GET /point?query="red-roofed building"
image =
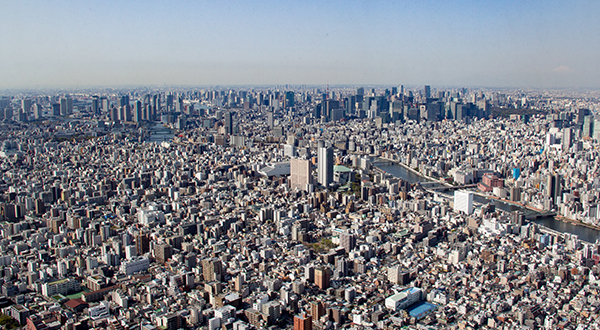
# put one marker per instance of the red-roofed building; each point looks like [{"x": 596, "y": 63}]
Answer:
[{"x": 76, "y": 305}]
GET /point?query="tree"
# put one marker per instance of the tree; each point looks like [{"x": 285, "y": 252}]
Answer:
[{"x": 8, "y": 322}]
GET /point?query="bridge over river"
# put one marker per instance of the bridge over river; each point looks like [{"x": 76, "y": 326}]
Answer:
[{"x": 543, "y": 218}]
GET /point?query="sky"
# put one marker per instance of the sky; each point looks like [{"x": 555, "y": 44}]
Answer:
[{"x": 522, "y": 44}]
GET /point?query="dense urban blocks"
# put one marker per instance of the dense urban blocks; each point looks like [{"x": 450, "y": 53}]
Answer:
[{"x": 299, "y": 208}]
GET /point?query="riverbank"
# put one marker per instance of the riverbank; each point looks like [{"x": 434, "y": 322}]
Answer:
[
  {"x": 541, "y": 213},
  {"x": 417, "y": 173},
  {"x": 529, "y": 207}
]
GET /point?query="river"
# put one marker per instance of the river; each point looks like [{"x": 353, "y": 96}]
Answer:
[
  {"x": 159, "y": 133},
  {"x": 584, "y": 233}
]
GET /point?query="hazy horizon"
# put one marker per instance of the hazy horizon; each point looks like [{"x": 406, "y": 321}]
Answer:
[{"x": 513, "y": 44}]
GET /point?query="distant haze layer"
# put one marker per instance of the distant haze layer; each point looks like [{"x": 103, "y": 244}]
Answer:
[{"x": 475, "y": 43}]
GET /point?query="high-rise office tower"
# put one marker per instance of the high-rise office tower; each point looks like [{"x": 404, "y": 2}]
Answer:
[
  {"x": 427, "y": 91},
  {"x": 69, "y": 105},
  {"x": 37, "y": 111},
  {"x": 553, "y": 187},
  {"x": 300, "y": 176},
  {"x": 26, "y": 105},
  {"x": 170, "y": 102},
  {"x": 367, "y": 101},
  {"x": 567, "y": 140},
  {"x": 124, "y": 100},
  {"x": 127, "y": 113},
  {"x": 64, "y": 106},
  {"x": 270, "y": 119},
  {"x": 179, "y": 105},
  {"x": 328, "y": 107},
  {"x": 588, "y": 126},
  {"x": 95, "y": 105},
  {"x": 138, "y": 112},
  {"x": 596, "y": 130},
  {"x": 360, "y": 92},
  {"x": 155, "y": 104},
  {"x": 463, "y": 201},
  {"x": 350, "y": 104},
  {"x": 228, "y": 123},
  {"x": 142, "y": 243},
  {"x": 114, "y": 114},
  {"x": 105, "y": 103},
  {"x": 325, "y": 164},
  {"x": 56, "y": 109},
  {"x": 322, "y": 278},
  {"x": 289, "y": 99}
]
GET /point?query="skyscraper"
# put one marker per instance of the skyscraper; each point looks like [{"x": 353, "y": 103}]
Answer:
[
  {"x": 289, "y": 99},
  {"x": 69, "y": 105},
  {"x": 95, "y": 105},
  {"x": 56, "y": 109},
  {"x": 588, "y": 126},
  {"x": 553, "y": 187},
  {"x": 463, "y": 201},
  {"x": 328, "y": 107},
  {"x": 142, "y": 243},
  {"x": 351, "y": 104},
  {"x": 270, "y": 119},
  {"x": 567, "y": 140},
  {"x": 138, "y": 112},
  {"x": 37, "y": 111},
  {"x": 325, "y": 162},
  {"x": 300, "y": 176},
  {"x": 228, "y": 123},
  {"x": 105, "y": 103},
  {"x": 124, "y": 100},
  {"x": 322, "y": 278},
  {"x": 427, "y": 91},
  {"x": 596, "y": 133},
  {"x": 26, "y": 105},
  {"x": 66, "y": 105}
]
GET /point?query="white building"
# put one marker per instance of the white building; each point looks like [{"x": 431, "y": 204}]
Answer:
[
  {"x": 214, "y": 323},
  {"x": 463, "y": 201},
  {"x": 100, "y": 311},
  {"x": 148, "y": 217},
  {"x": 404, "y": 299},
  {"x": 279, "y": 169},
  {"x": 289, "y": 150},
  {"x": 394, "y": 273},
  {"x": 135, "y": 265},
  {"x": 130, "y": 251},
  {"x": 63, "y": 287},
  {"x": 325, "y": 168},
  {"x": 225, "y": 313}
]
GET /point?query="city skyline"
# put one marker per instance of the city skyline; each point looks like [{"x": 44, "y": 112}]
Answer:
[{"x": 535, "y": 44}]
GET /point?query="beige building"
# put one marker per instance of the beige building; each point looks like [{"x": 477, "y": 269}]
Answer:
[{"x": 300, "y": 176}]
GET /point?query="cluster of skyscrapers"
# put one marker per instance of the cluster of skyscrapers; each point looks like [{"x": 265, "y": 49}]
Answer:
[{"x": 301, "y": 208}]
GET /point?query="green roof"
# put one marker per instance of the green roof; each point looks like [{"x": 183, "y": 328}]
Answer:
[{"x": 341, "y": 168}]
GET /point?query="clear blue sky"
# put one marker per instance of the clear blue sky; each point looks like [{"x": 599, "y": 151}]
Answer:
[{"x": 458, "y": 43}]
